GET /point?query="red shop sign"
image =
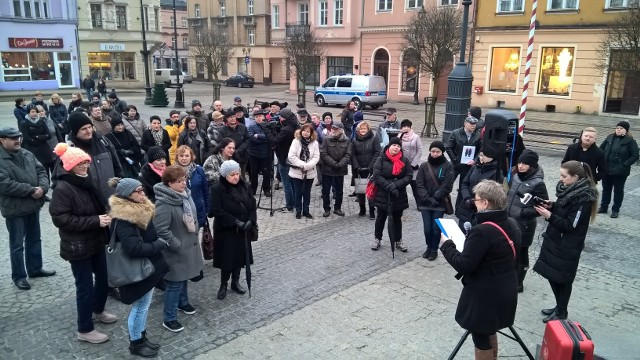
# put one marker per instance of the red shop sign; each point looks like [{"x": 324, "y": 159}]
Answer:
[{"x": 35, "y": 43}]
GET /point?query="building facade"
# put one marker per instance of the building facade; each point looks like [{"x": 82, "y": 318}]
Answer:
[
  {"x": 564, "y": 75},
  {"x": 110, "y": 36},
  {"x": 164, "y": 55},
  {"x": 39, "y": 49}
]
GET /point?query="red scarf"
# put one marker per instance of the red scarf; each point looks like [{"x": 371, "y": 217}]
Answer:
[{"x": 398, "y": 164}]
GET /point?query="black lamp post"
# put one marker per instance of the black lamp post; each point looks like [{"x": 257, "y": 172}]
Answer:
[
  {"x": 145, "y": 60},
  {"x": 460, "y": 83},
  {"x": 179, "y": 91}
]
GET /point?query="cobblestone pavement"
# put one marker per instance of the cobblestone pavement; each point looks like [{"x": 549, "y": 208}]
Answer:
[{"x": 320, "y": 292}]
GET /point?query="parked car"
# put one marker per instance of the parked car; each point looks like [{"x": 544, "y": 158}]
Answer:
[
  {"x": 363, "y": 89},
  {"x": 187, "y": 77},
  {"x": 168, "y": 77},
  {"x": 240, "y": 80}
]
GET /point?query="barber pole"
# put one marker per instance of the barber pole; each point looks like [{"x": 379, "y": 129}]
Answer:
[{"x": 527, "y": 71}]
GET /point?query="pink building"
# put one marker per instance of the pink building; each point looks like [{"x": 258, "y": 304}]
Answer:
[{"x": 165, "y": 56}]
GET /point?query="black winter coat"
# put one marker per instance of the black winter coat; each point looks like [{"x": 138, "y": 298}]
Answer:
[
  {"x": 75, "y": 206},
  {"x": 240, "y": 136},
  {"x": 383, "y": 176},
  {"x": 533, "y": 183},
  {"x": 58, "y": 113},
  {"x": 148, "y": 141},
  {"x": 427, "y": 189},
  {"x": 456, "y": 143},
  {"x": 283, "y": 139},
  {"x": 620, "y": 153},
  {"x": 73, "y": 105},
  {"x": 126, "y": 146},
  {"x": 149, "y": 178},
  {"x": 35, "y": 138},
  {"x": 105, "y": 163},
  {"x": 335, "y": 155},
  {"x": 488, "y": 264},
  {"x": 478, "y": 172},
  {"x": 365, "y": 150},
  {"x": 231, "y": 203},
  {"x": 594, "y": 157}
]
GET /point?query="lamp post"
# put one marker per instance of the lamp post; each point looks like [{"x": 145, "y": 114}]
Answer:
[
  {"x": 459, "y": 85},
  {"x": 145, "y": 59},
  {"x": 246, "y": 53},
  {"x": 179, "y": 91},
  {"x": 161, "y": 50}
]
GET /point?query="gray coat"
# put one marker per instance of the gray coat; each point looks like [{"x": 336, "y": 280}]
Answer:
[
  {"x": 183, "y": 255},
  {"x": 525, "y": 215},
  {"x": 20, "y": 174}
]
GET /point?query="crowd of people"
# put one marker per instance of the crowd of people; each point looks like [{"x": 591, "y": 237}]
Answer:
[{"x": 152, "y": 188}]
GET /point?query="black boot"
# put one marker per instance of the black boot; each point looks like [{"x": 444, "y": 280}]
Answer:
[
  {"x": 222, "y": 292},
  {"x": 148, "y": 343},
  {"x": 522, "y": 272},
  {"x": 235, "y": 283},
  {"x": 372, "y": 213},
  {"x": 139, "y": 348},
  {"x": 363, "y": 210}
]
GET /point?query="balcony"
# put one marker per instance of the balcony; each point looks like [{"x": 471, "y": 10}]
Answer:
[
  {"x": 292, "y": 29},
  {"x": 195, "y": 22},
  {"x": 249, "y": 21}
]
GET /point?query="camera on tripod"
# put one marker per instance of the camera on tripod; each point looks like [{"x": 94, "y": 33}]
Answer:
[{"x": 273, "y": 127}]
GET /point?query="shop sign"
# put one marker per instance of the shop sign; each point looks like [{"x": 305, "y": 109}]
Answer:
[
  {"x": 111, "y": 47},
  {"x": 31, "y": 43}
]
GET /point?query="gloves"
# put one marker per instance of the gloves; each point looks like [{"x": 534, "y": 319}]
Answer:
[
  {"x": 127, "y": 152},
  {"x": 433, "y": 202},
  {"x": 390, "y": 187},
  {"x": 162, "y": 243},
  {"x": 244, "y": 226},
  {"x": 470, "y": 204},
  {"x": 395, "y": 193}
]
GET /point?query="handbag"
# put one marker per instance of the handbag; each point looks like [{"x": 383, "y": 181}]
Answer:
[
  {"x": 361, "y": 184},
  {"x": 448, "y": 206},
  {"x": 371, "y": 190},
  {"x": 123, "y": 269},
  {"x": 207, "y": 241}
]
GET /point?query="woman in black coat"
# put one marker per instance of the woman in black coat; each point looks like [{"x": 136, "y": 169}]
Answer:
[
  {"x": 126, "y": 147},
  {"x": 151, "y": 172},
  {"x": 36, "y": 136},
  {"x": 487, "y": 265},
  {"x": 364, "y": 153},
  {"x": 433, "y": 184},
  {"x": 132, "y": 214},
  {"x": 234, "y": 211},
  {"x": 391, "y": 174},
  {"x": 194, "y": 138},
  {"x": 155, "y": 135},
  {"x": 568, "y": 218}
]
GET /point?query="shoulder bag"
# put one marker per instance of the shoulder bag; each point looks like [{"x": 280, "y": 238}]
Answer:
[
  {"x": 207, "y": 241},
  {"x": 123, "y": 269},
  {"x": 513, "y": 248},
  {"x": 448, "y": 206}
]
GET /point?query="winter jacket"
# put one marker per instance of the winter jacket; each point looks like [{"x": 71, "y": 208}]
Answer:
[
  {"x": 488, "y": 265},
  {"x": 199, "y": 187},
  {"x": 20, "y": 174},
  {"x": 229, "y": 204},
  {"x": 149, "y": 179},
  {"x": 427, "y": 189},
  {"x": 383, "y": 176},
  {"x": 593, "y": 156},
  {"x": 456, "y": 143},
  {"x": 148, "y": 141},
  {"x": 102, "y": 87},
  {"x": 137, "y": 235},
  {"x": 346, "y": 118},
  {"x": 119, "y": 106},
  {"x": 58, "y": 113},
  {"x": 126, "y": 147},
  {"x": 174, "y": 132},
  {"x": 412, "y": 149},
  {"x": 364, "y": 152},
  {"x": 213, "y": 133},
  {"x": 135, "y": 125},
  {"x": 212, "y": 168},
  {"x": 240, "y": 136},
  {"x": 335, "y": 155},
  {"x": 110, "y": 113},
  {"x": 201, "y": 118},
  {"x": 303, "y": 169},
  {"x": 531, "y": 182},
  {"x": 283, "y": 139},
  {"x": 184, "y": 255},
  {"x": 620, "y": 153},
  {"x": 20, "y": 112},
  {"x": 259, "y": 146},
  {"x": 88, "y": 84},
  {"x": 102, "y": 125},
  {"x": 75, "y": 208},
  {"x": 35, "y": 138},
  {"x": 73, "y": 105},
  {"x": 198, "y": 142},
  {"x": 478, "y": 172}
]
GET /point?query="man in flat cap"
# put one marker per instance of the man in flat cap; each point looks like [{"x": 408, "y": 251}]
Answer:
[{"x": 23, "y": 185}]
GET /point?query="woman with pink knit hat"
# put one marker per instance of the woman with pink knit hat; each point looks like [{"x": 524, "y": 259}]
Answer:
[{"x": 79, "y": 211}]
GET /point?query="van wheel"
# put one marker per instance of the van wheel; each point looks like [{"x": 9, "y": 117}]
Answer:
[
  {"x": 320, "y": 101},
  {"x": 375, "y": 106},
  {"x": 358, "y": 103}
]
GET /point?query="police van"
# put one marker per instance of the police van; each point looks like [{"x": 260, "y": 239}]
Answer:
[{"x": 363, "y": 89}]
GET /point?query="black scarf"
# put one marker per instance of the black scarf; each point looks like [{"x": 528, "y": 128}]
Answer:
[
  {"x": 304, "y": 151},
  {"x": 437, "y": 161},
  {"x": 87, "y": 184},
  {"x": 577, "y": 192}
]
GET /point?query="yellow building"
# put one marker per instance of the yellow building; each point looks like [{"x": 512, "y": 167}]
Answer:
[{"x": 564, "y": 77}]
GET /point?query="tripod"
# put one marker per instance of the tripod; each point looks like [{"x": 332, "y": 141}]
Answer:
[
  {"x": 515, "y": 337},
  {"x": 271, "y": 180}
]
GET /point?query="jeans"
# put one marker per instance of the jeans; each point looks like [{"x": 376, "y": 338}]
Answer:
[
  {"x": 615, "y": 183},
  {"x": 24, "y": 234},
  {"x": 175, "y": 295},
  {"x": 138, "y": 316},
  {"x": 335, "y": 182},
  {"x": 257, "y": 166},
  {"x": 431, "y": 229},
  {"x": 90, "y": 296},
  {"x": 381, "y": 217},
  {"x": 286, "y": 185},
  {"x": 89, "y": 92},
  {"x": 302, "y": 194}
]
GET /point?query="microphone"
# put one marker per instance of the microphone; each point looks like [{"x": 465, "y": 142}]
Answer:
[
  {"x": 467, "y": 227},
  {"x": 524, "y": 198}
]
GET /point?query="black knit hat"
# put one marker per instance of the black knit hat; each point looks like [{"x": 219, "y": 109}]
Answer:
[
  {"x": 437, "y": 144},
  {"x": 115, "y": 122},
  {"x": 329, "y": 114},
  {"x": 395, "y": 140},
  {"x": 624, "y": 124},
  {"x": 528, "y": 157},
  {"x": 155, "y": 153},
  {"x": 77, "y": 120}
]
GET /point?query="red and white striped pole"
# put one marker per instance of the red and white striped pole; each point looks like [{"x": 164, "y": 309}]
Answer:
[{"x": 527, "y": 71}]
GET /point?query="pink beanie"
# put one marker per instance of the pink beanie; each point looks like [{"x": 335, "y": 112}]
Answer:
[{"x": 70, "y": 156}]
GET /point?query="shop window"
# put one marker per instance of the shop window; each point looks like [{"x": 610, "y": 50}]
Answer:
[
  {"x": 339, "y": 65},
  {"x": 556, "y": 71},
  {"x": 112, "y": 66},
  {"x": 96, "y": 16},
  {"x": 410, "y": 74},
  {"x": 505, "y": 66},
  {"x": 28, "y": 66},
  {"x": 121, "y": 17}
]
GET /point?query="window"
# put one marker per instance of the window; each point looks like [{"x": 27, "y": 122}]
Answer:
[
  {"x": 96, "y": 15},
  {"x": 448, "y": 2},
  {"x": 510, "y": 5},
  {"x": 196, "y": 10},
  {"x": 36, "y": 8},
  {"x": 505, "y": 67},
  {"x": 17, "y": 8},
  {"x": 323, "y": 12},
  {"x": 415, "y": 4},
  {"x": 112, "y": 66},
  {"x": 385, "y": 5},
  {"x": 185, "y": 42},
  {"x": 303, "y": 13},
  {"x": 344, "y": 82},
  {"x": 28, "y": 66},
  {"x": 184, "y": 22},
  {"x": 146, "y": 18},
  {"x": 250, "y": 7},
  {"x": 45, "y": 9},
  {"x": 339, "y": 65},
  {"x": 223, "y": 8},
  {"x": 275, "y": 16},
  {"x": 556, "y": 71},
  {"x": 156, "y": 19},
  {"x": 171, "y": 21},
  {"x": 331, "y": 82},
  {"x": 199, "y": 36},
  {"x": 121, "y": 17},
  {"x": 621, "y": 3},
  {"x": 621, "y": 95},
  {"x": 27, "y": 9},
  {"x": 251, "y": 38},
  {"x": 410, "y": 74},
  {"x": 338, "y": 11},
  {"x": 562, "y": 4}
]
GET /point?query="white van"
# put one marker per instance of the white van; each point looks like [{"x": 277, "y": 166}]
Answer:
[
  {"x": 363, "y": 89},
  {"x": 168, "y": 77}
]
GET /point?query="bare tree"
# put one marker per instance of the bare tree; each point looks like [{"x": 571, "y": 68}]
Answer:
[
  {"x": 434, "y": 33},
  {"x": 305, "y": 53},
  {"x": 214, "y": 47},
  {"x": 619, "y": 51}
]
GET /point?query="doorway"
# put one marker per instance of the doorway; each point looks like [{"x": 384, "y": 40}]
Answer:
[
  {"x": 65, "y": 70},
  {"x": 381, "y": 64}
]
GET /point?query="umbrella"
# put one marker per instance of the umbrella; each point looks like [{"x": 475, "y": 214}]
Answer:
[
  {"x": 247, "y": 260},
  {"x": 390, "y": 225}
]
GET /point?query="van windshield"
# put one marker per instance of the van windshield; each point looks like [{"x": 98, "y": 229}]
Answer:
[{"x": 331, "y": 82}]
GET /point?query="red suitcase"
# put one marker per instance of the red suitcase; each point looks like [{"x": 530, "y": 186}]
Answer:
[{"x": 566, "y": 340}]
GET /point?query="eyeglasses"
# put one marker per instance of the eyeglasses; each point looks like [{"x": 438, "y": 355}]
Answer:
[
  {"x": 476, "y": 200},
  {"x": 84, "y": 164},
  {"x": 139, "y": 191}
]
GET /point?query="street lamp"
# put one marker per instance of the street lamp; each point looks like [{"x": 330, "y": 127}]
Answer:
[
  {"x": 161, "y": 50},
  {"x": 179, "y": 91},
  {"x": 145, "y": 60},
  {"x": 459, "y": 85},
  {"x": 246, "y": 53}
]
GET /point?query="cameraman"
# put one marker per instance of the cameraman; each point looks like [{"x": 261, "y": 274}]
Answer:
[{"x": 282, "y": 140}]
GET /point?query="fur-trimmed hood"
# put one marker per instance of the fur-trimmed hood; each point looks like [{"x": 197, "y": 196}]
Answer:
[{"x": 139, "y": 214}]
